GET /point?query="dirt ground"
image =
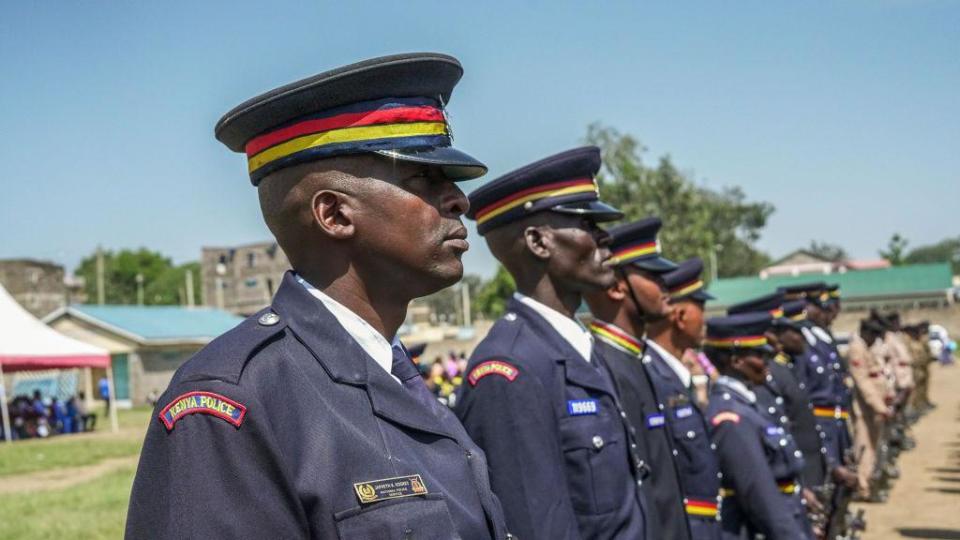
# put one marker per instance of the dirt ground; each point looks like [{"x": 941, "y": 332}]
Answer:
[{"x": 925, "y": 501}]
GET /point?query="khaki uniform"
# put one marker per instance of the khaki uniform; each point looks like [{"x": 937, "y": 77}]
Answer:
[
  {"x": 920, "y": 350},
  {"x": 867, "y": 370},
  {"x": 901, "y": 360}
]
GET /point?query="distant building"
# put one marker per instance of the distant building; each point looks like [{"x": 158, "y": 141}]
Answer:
[
  {"x": 802, "y": 262},
  {"x": 146, "y": 343},
  {"x": 246, "y": 276},
  {"x": 38, "y": 286},
  {"x": 909, "y": 286}
]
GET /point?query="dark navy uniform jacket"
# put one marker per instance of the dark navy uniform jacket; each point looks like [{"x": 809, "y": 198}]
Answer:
[
  {"x": 820, "y": 374},
  {"x": 654, "y": 437},
  {"x": 557, "y": 442},
  {"x": 297, "y": 431},
  {"x": 761, "y": 467},
  {"x": 782, "y": 398},
  {"x": 697, "y": 460}
]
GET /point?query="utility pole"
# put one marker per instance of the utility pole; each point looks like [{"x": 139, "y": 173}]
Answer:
[
  {"x": 465, "y": 296},
  {"x": 189, "y": 277},
  {"x": 714, "y": 271},
  {"x": 139, "y": 289},
  {"x": 101, "y": 293},
  {"x": 221, "y": 271}
]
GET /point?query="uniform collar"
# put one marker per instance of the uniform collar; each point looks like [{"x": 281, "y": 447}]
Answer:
[
  {"x": 371, "y": 341},
  {"x": 671, "y": 361},
  {"x": 738, "y": 388},
  {"x": 616, "y": 337},
  {"x": 569, "y": 328}
]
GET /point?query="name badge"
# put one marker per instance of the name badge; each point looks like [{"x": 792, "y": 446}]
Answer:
[
  {"x": 771, "y": 430},
  {"x": 389, "y": 488},
  {"x": 655, "y": 420},
  {"x": 580, "y": 407},
  {"x": 684, "y": 412}
]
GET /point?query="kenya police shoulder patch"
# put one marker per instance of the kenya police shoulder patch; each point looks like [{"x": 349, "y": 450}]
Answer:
[
  {"x": 725, "y": 416},
  {"x": 492, "y": 367},
  {"x": 202, "y": 402}
]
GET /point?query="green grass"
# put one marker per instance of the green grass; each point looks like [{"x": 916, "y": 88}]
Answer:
[
  {"x": 76, "y": 450},
  {"x": 93, "y": 510}
]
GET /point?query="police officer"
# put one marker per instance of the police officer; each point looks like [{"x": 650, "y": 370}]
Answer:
[
  {"x": 871, "y": 408},
  {"x": 667, "y": 341},
  {"x": 621, "y": 312},
  {"x": 537, "y": 398},
  {"x": 309, "y": 420},
  {"x": 820, "y": 373},
  {"x": 760, "y": 461}
]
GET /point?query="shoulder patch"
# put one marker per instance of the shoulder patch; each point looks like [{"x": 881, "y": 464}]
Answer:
[
  {"x": 725, "y": 416},
  {"x": 492, "y": 367},
  {"x": 202, "y": 402}
]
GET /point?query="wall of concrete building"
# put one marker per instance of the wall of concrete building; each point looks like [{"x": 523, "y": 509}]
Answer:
[
  {"x": 38, "y": 286},
  {"x": 250, "y": 275}
]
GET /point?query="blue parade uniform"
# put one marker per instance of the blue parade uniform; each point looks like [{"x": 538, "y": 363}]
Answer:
[
  {"x": 761, "y": 466},
  {"x": 285, "y": 427},
  {"x": 562, "y": 456},
  {"x": 622, "y": 355}
]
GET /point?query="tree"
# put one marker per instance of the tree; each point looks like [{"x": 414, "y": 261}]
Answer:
[
  {"x": 163, "y": 283},
  {"x": 696, "y": 220},
  {"x": 491, "y": 298},
  {"x": 828, "y": 251},
  {"x": 947, "y": 250},
  {"x": 895, "y": 249}
]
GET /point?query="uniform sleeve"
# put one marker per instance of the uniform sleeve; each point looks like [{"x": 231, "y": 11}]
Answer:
[
  {"x": 215, "y": 473},
  {"x": 860, "y": 371},
  {"x": 512, "y": 421},
  {"x": 743, "y": 463}
]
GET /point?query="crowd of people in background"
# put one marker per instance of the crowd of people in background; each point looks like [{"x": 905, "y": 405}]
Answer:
[
  {"x": 39, "y": 417},
  {"x": 442, "y": 374}
]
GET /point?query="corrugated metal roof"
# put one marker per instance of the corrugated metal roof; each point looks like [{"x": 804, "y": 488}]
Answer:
[
  {"x": 161, "y": 323},
  {"x": 894, "y": 281}
]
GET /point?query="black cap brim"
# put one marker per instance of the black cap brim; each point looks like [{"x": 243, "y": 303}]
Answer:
[
  {"x": 597, "y": 210},
  {"x": 701, "y": 295},
  {"x": 457, "y": 165},
  {"x": 657, "y": 265}
]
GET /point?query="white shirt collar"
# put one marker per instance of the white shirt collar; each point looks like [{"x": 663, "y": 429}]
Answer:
[
  {"x": 569, "y": 328},
  {"x": 676, "y": 365},
  {"x": 371, "y": 341},
  {"x": 738, "y": 387}
]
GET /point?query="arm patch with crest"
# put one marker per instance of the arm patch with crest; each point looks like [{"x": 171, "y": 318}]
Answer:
[
  {"x": 202, "y": 402},
  {"x": 725, "y": 416},
  {"x": 492, "y": 367}
]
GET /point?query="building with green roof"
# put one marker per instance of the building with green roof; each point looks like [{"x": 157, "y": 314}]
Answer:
[{"x": 896, "y": 287}]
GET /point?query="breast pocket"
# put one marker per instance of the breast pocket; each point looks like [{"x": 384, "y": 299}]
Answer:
[
  {"x": 596, "y": 463},
  {"x": 423, "y": 517},
  {"x": 776, "y": 445},
  {"x": 691, "y": 442}
]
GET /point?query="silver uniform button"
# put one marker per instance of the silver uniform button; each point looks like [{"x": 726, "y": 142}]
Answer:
[
  {"x": 771, "y": 410},
  {"x": 269, "y": 319},
  {"x": 691, "y": 435},
  {"x": 511, "y": 316},
  {"x": 783, "y": 442},
  {"x": 597, "y": 442}
]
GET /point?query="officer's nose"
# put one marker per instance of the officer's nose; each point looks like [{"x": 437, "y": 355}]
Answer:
[{"x": 454, "y": 201}]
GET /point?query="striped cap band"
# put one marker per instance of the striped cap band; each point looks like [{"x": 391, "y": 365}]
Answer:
[
  {"x": 629, "y": 252},
  {"x": 834, "y": 294},
  {"x": 776, "y": 313},
  {"x": 385, "y": 124},
  {"x": 527, "y": 197},
  {"x": 686, "y": 289},
  {"x": 802, "y": 316},
  {"x": 743, "y": 342},
  {"x": 616, "y": 337}
]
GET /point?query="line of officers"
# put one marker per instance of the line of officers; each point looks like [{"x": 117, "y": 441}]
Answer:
[{"x": 651, "y": 423}]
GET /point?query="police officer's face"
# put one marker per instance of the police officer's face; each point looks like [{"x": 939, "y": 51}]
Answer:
[
  {"x": 578, "y": 249},
  {"x": 412, "y": 226},
  {"x": 792, "y": 341},
  {"x": 649, "y": 292},
  {"x": 752, "y": 366}
]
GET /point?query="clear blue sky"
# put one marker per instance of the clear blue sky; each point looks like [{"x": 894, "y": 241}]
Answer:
[{"x": 843, "y": 114}]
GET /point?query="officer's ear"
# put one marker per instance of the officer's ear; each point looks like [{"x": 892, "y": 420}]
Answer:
[
  {"x": 538, "y": 240},
  {"x": 619, "y": 291},
  {"x": 333, "y": 213}
]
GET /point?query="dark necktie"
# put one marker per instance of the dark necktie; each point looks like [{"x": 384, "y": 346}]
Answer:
[{"x": 404, "y": 370}]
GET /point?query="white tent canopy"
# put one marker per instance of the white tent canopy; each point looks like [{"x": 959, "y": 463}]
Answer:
[{"x": 28, "y": 344}]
